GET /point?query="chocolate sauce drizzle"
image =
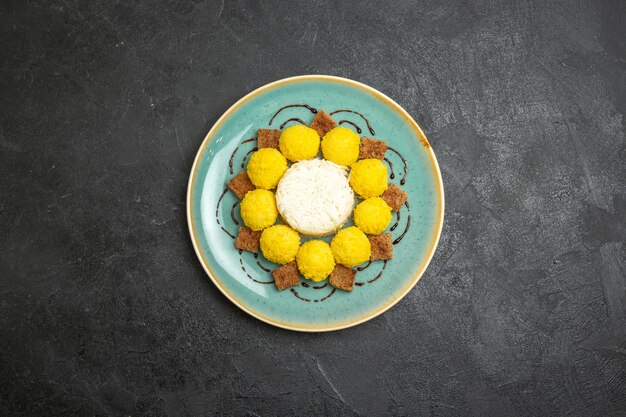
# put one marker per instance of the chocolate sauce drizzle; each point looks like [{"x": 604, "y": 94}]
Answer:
[
  {"x": 227, "y": 232},
  {"x": 308, "y": 300},
  {"x": 243, "y": 268},
  {"x": 408, "y": 224},
  {"x": 380, "y": 274},
  {"x": 358, "y": 129},
  {"x": 315, "y": 287},
  {"x": 395, "y": 225},
  {"x": 367, "y": 122},
  {"x": 232, "y": 213},
  {"x": 217, "y": 213},
  {"x": 293, "y": 119},
  {"x": 406, "y": 165},
  {"x": 232, "y": 156},
  {"x": 294, "y": 292},
  {"x": 306, "y": 106},
  {"x": 363, "y": 268},
  {"x": 217, "y": 208},
  {"x": 243, "y": 163},
  {"x": 328, "y": 296},
  {"x": 392, "y": 176},
  {"x": 262, "y": 267}
]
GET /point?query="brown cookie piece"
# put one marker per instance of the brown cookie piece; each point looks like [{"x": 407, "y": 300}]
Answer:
[
  {"x": 342, "y": 277},
  {"x": 372, "y": 148},
  {"x": 322, "y": 123},
  {"x": 286, "y": 276},
  {"x": 241, "y": 184},
  {"x": 394, "y": 197},
  {"x": 268, "y": 138},
  {"x": 382, "y": 247},
  {"x": 248, "y": 239}
]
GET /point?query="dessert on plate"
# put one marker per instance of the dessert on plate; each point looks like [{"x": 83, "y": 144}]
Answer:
[{"x": 298, "y": 193}]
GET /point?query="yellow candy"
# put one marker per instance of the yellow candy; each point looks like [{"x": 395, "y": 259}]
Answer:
[
  {"x": 372, "y": 216},
  {"x": 341, "y": 146},
  {"x": 368, "y": 177},
  {"x": 351, "y": 247},
  {"x": 266, "y": 167},
  {"x": 299, "y": 142},
  {"x": 315, "y": 260},
  {"x": 279, "y": 244},
  {"x": 258, "y": 209}
]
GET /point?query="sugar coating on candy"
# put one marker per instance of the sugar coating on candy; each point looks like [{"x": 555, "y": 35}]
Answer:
[{"x": 368, "y": 177}]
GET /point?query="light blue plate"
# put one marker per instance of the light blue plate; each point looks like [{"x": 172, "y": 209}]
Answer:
[{"x": 213, "y": 212}]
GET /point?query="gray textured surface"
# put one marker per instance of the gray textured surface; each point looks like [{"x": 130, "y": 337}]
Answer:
[{"x": 104, "y": 309}]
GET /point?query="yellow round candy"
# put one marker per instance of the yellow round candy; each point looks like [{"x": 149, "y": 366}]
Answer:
[
  {"x": 372, "y": 216},
  {"x": 299, "y": 142},
  {"x": 258, "y": 209},
  {"x": 341, "y": 146},
  {"x": 351, "y": 247},
  {"x": 266, "y": 167},
  {"x": 279, "y": 244},
  {"x": 368, "y": 177},
  {"x": 315, "y": 260}
]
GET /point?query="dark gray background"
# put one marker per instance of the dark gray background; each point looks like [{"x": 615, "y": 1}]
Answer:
[{"x": 105, "y": 310}]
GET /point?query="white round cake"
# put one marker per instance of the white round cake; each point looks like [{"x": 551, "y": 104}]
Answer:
[{"x": 314, "y": 197}]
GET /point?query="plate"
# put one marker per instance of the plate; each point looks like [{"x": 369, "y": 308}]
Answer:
[{"x": 213, "y": 211}]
